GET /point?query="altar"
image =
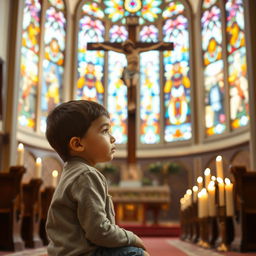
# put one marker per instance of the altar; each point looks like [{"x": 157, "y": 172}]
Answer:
[{"x": 133, "y": 203}]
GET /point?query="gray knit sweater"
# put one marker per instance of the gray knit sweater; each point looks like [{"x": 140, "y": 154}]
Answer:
[{"x": 81, "y": 214}]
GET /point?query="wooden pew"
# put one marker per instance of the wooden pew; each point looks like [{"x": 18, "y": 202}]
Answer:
[
  {"x": 11, "y": 209},
  {"x": 245, "y": 209},
  {"x": 46, "y": 197},
  {"x": 32, "y": 213}
]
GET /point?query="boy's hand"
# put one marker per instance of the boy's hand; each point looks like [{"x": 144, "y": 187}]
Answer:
[{"x": 139, "y": 243}]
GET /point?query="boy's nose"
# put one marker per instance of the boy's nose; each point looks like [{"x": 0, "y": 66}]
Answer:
[{"x": 112, "y": 139}]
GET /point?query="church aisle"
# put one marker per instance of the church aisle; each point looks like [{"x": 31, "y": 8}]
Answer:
[{"x": 160, "y": 246}]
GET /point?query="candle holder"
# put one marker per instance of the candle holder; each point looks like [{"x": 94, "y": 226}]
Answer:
[
  {"x": 213, "y": 230},
  {"x": 222, "y": 241},
  {"x": 195, "y": 223},
  {"x": 203, "y": 233}
]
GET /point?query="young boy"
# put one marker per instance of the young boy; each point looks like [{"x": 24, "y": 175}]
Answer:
[{"x": 81, "y": 215}]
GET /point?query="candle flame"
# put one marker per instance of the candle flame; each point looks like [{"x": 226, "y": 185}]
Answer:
[
  {"x": 195, "y": 188},
  {"x": 227, "y": 181},
  {"x": 213, "y": 178},
  {"x": 20, "y": 147},
  {"x": 219, "y": 158},
  {"x": 207, "y": 171},
  {"x": 55, "y": 173},
  {"x": 199, "y": 179},
  {"x": 220, "y": 180},
  {"x": 189, "y": 192},
  {"x": 38, "y": 160}
]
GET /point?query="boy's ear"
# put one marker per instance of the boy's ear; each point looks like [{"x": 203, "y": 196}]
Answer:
[{"x": 75, "y": 144}]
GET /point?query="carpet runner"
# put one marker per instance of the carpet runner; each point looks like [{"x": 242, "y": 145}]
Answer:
[{"x": 160, "y": 246}]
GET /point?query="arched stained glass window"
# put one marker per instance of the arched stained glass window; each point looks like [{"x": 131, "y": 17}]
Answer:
[
  {"x": 215, "y": 117},
  {"x": 215, "y": 82},
  {"x": 158, "y": 21},
  {"x": 237, "y": 70},
  {"x": 177, "y": 96},
  {"x": 42, "y": 61}
]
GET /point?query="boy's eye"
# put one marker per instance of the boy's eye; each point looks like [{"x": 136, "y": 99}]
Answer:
[{"x": 105, "y": 131}]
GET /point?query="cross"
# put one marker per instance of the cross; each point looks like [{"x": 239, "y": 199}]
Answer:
[{"x": 131, "y": 78}]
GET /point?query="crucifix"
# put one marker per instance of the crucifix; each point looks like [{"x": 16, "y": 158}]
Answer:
[{"x": 130, "y": 76}]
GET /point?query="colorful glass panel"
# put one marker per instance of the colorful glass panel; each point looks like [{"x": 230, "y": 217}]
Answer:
[
  {"x": 53, "y": 63},
  {"x": 29, "y": 63},
  {"x": 93, "y": 9},
  {"x": 90, "y": 63},
  {"x": 59, "y": 4},
  {"x": 149, "y": 11},
  {"x": 213, "y": 71},
  {"x": 174, "y": 8},
  {"x": 117, "y": 90},
  {"x": 208, "y": 3},
  {"x": 149, "y": 34},
  {"x": 132, "y": 6},
  {"x": 177, "y": 92},
  {"x": 149, "y": 98},
  {"x": 237, "y": 70}
]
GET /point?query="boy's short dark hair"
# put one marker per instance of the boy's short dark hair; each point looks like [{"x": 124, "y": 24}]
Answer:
[{"x": 71, "y": 119}]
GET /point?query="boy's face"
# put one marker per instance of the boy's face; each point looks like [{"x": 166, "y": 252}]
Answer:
[{"x": 98, "y": 142}]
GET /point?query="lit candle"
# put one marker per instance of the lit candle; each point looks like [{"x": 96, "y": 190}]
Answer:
[
  {"x": 213, "y": 178},
  {"x": 207, "y": 176},
  {"x": 195, "y": 192},
  {"x": 189, "y": 193},
  {"x": 200, "y": 213},
  {"x": 54, "y": 178},
  {"x": 38, "y": 168},
  {"x": 200, "y": 183},
  {"x": 182, "y": 201},
  {"x": 221, "y": 191},
  {"x": 229, "y": 197},
  {"x": 204, "y": 203},
  {"x": 211, "y": 197},
  {"x": 219, "y": 167},
  {"x": 20, "y": 154}
]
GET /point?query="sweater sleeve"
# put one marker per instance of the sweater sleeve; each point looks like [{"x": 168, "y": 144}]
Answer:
[{"x": 89, "y": 192}]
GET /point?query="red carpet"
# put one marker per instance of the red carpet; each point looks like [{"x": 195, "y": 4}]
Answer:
[{"x": 154, "y": 230}]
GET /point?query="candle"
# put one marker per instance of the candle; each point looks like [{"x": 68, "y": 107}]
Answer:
[
  {"x": 54, "y": 178},
  {"x": 200, "y": 183},
  {"x": 213, "y": 178},
  {"x": 200, "y": 213},
  {"x": 229, "y": 197},
  {"x": 221, "y": 191},
  {"x": 204, "y": 203},
  {"x": 189, "y": 193},
  {"x": 207, "y": 176},
  {"x": 219, "y": 167},
  {"x": 195, "y": 192},
  {"x": 20, "y": 154},
  {"x": 182, "y": 202},
  {"x": 211, "y": 197},
  {"x": 38, "y": 168}
]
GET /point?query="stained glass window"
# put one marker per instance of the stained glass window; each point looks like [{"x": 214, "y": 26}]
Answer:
[
  {"x": 215, "y": 117},
  {"x": 29, "y": 63},
  {"x": 45, "y": 65},
  {"x": 232, "y": 88},
  {"x": 177, "y": 93},
  {"x": 237, "y": 70},
  {"x": 106, "y": 21}
]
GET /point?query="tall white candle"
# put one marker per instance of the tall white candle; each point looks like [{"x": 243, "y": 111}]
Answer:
[
  {"x": 20, "y": 154},
  {"x": 219, "y": 167},
  {"x": 200, "y": 183},
  {"x": 221, "y": 191},
  {"x": 207, "y": 176},
  {"x": 229, "y": 197},
  {"x": 211, "y": 197},
  {"x": 54, "y": 178},
  {"x": 204, "y": 203},
  {"x": 38, "y": 168},
  {"x": 195, "y": 192},
  {"x": 199, "y": 205}
]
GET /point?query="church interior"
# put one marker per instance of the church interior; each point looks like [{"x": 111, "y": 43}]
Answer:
[{"x": 184, "y": 174}]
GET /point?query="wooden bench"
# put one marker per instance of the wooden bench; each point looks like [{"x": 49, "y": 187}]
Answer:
[
  {"x": 245, "y": 209},
  {"x": 11, "y": 209},
  {"x": 32, "y": 213}
]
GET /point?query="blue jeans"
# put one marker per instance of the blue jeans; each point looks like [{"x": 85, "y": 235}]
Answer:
[{"x": 119, "y": 251}]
